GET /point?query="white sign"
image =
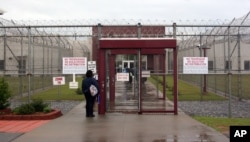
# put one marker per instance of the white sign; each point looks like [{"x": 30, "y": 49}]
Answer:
[
  {"x": 92, "y": 66},
  {"x": 74, "y": 65},
  {"x": 73, "y": 85},
  {"x": 195, "y": 65},
  {"x": 145, "y": 74},
  {"x": 122, "y": 76},
  {"x": 59, "y": 80}
]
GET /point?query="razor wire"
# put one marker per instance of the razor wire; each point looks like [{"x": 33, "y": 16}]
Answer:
[{"x": 43, "y": 43}]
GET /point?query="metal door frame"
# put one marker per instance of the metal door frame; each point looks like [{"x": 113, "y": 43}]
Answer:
[
  {"x": 145, "y": 46},
  {"x": 111, "y": 58}
]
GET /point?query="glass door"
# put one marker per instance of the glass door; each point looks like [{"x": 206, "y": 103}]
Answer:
[{"x": 122, "y": 77}]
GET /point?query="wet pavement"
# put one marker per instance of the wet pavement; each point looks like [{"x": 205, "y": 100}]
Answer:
[
  {"x": 122, "y": 127},
  {"x": 126, "y": 100}
]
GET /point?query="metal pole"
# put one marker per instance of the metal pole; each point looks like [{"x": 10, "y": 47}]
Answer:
[
  {"x": 48, "y": 51},
  {"x": 22, "y": 68},
  {"x": 43, "y": 64},
  {"x": 224, "y": 45},
  {"x": 175, "y": 79},
  {"x": 215, "y": 67},
  {"x": 201, "y": 77},
  {"x": 4, "y": 53},
  {"x": 59, "y": 55},
  {"x": 239, "y": 68},
  {"x": 224, "y": 51},
  {"x": 205, "y": 76},
  {"x": 51, "y": 59},
  {"x": 29, "y": 63},
  {"x": 139, "y": 83},
  {"x": 139, "y": 73},
  {"x": 229, "y": 74},
  {"x": 33, "y": 64},
  {"x": 175, "y": 73}
]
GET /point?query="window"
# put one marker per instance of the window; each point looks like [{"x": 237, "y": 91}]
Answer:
[
  {"x": 210, "y": 65},
  {"x": 246, "y": 65},
  {"x": 1, "y": 64},
  {"x": 21, "y": 64},
  {"x": 227, "y": 65}
]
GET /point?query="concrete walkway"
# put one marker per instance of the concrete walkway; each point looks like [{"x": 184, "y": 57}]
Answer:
[{"x": 120, "y": 127}]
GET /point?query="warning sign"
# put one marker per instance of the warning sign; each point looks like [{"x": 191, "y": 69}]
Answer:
[
  {"x": 59, "y": 80},
  {"x": 122, "y": 76},
  {"x": 92, "y": 66},
  {"x": 74, "y": 65},
  {"x": 73, "y": 85},
  {"x": 195, "y": 65}
]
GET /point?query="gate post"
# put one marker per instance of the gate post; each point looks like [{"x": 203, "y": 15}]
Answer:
[
  {"x": 101, "y": 73},
  {"x": 101, "y": 81},
  {"x": 175, "y": 82},
  {"x": 163, "y": 67},
  {"x": 175, "y": 54}
]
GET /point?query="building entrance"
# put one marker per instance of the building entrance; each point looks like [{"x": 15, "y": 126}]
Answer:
[
  {"x": 122, "y": 93},
  {"x": 124, "y": 72}
]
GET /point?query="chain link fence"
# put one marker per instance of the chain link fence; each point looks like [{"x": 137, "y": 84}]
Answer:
[
  {"x": 31, "y": 51},
  {"x": 227, "y": 50}
]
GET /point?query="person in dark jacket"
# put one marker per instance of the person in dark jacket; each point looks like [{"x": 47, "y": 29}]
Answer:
[{"x": 90, "y": 100}]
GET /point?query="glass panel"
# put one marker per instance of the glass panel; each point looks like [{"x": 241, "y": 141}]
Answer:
[
  {"x": 152, "y": 82},
  {"x": 125, "y": 84},
  {"x": 124, "y": 95}
]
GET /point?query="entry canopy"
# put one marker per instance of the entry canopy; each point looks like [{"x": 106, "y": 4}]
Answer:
[
  {"x": 136, "y": 46},
  {"x": 145, "y": 43}
]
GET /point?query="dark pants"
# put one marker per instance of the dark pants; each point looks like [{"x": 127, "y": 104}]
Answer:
[{"x": 90, "y": 101}]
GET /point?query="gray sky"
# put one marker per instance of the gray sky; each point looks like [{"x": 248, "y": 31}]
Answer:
[{"x": 124, "y": 9}]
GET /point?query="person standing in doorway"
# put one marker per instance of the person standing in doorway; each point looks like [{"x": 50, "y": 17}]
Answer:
[{"x": 90, "y": 99}]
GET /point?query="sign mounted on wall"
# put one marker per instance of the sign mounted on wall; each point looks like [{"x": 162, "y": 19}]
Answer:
[
  {"x": 92, "y": 66},
  {"x": 195, "y": 65}
]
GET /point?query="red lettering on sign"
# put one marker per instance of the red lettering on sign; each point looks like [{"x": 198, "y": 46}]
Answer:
[{"x": 58, "y": 79}]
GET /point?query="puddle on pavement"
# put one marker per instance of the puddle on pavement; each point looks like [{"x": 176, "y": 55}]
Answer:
[{"x": 203, "y": 137}]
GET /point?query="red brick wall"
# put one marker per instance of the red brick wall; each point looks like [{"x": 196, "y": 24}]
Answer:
[{"x": 124, "y": 32}]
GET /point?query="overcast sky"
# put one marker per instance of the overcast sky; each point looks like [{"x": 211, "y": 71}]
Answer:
[{"x": 124, "y": 9}]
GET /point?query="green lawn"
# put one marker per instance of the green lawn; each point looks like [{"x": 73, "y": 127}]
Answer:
[
  {"x": 222, "y": 124},
  {"x": 19, "y": 85},
  {"x": 219, "y": 82},
  {"x": 189, "y": 92},
  {"x": 62, "y": 92},
  {"x": 186, "y": 91},
  {"x": 59, "y": 93}
]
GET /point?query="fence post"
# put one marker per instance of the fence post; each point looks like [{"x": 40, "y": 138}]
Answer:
[
  {"x": 29, "y": 63},
  {"x": 4, "y": 53},
  {"x": 239, "y": 68},
  {"x": 201, "y": 76},
  {"x": 229, "y": 74}
]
